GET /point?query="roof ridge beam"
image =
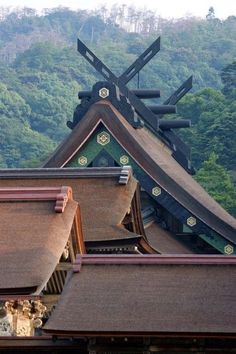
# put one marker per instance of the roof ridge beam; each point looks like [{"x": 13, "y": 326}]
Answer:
[
  {"x": 67, "y": 172},
  {"x": 153, "y": 260},
  {"x": 60, "y": 195}
]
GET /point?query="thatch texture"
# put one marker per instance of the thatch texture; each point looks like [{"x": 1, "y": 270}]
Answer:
[
  {"x": 32, "y": 239},
  {"x": 147, "y": 298}
]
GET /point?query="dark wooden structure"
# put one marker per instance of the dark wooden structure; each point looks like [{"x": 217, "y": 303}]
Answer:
[{"x": 168, "y": 184}]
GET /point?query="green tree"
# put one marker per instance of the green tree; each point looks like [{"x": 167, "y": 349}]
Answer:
[
  {"x": 218, "y": 183},
  {"x": 228, "y": 77},
  {"x": 213, "y": 117},
  {"x": 211, "y": 13}
]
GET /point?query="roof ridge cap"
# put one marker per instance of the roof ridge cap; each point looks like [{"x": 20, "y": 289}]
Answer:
[
  {"x": 153, "y": 260},
  {"x": 61, "y": 195}
]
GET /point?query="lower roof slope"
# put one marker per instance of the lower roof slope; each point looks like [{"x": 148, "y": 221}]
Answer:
[
  {"x": 164, "y": 241},
  {"x": 33, "y": 237},
  {"x": 148, "y": 295},
  {"x": 103, "y": 201}
]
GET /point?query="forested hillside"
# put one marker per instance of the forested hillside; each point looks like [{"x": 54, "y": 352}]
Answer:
[{"x": 41, "y": 74}]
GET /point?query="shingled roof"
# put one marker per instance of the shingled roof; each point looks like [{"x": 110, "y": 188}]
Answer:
[
  {"x": 164, "y": 241},
  {"x": 154, "y": 158},
  {"x": 104, "y": 202},
  {"x": 35, "y": 227},
  {"x": 130, "y": 295}
]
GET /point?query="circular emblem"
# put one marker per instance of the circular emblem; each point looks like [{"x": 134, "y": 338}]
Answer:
[
  {"x": 228, "y": 249},
  {"x": 156, "y": 191},
  {"x": 103, "y": 92},
  {"x": 191, "y": 221},
  {"x": 103, "y": 138},
  {"x": 82, "y": 160},
  {"x": 124, "y": 160}
]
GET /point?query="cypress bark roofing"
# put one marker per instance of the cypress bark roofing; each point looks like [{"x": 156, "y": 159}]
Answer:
[
  {"x": 34, "y": 231},
  {"x": 153, "y": 157},
  {"x": 103, "y": 202},
  {"x": 165, "y": 242},
  {"x": 148, "y": 295}
]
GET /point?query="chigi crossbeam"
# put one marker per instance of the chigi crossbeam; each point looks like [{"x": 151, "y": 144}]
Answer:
[
  {"x": 129, "y": 102},
  {"x": 139, "y": 106}
]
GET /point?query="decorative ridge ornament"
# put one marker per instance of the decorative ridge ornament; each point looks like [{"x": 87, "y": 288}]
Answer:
[
  {"x": 24, "y": 316},
  {"x": 103, "y": 138},
  {"x": 103, "y": 92}
]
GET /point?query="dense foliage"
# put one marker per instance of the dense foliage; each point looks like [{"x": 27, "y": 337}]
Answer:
[
  {"x": 41, "y": 74},
  {"x": 213, "y": 117},
  {"x": 218, "y": 182}
]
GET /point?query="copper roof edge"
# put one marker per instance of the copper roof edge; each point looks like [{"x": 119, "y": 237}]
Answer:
[
  {"x": 60, "y": 195},
  {"x": 152, "y": 260}
]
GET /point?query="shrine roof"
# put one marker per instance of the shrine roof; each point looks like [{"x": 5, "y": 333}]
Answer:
[
  {"x": 103, "y": 201},
  {"x": 35, "y": 227},
  {"x": 153, "y": 156},
  {"x": 133, "y": 295}
]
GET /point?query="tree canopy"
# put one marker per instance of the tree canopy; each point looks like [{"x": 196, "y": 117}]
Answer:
[{"x": 218, "y": 182}]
